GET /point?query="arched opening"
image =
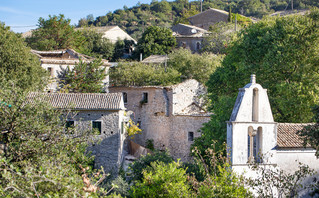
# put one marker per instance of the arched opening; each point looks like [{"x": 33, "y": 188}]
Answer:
[
  {"x": 254, "y": 146},
  {"x": 198, "y": 46},
  {"x": 255, "y": 105}
]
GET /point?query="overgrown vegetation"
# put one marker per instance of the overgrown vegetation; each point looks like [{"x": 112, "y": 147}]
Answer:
[{"x": 182, "y": 65}]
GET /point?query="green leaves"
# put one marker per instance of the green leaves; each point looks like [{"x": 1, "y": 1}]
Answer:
[
  {"x": 85, "y": 77},
  {"x": 156, "y": 41}
]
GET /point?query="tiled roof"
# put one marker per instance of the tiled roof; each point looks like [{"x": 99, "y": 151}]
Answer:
[
  {"x": 287, "y": 136},
  {"x": 81, "y": 101}
]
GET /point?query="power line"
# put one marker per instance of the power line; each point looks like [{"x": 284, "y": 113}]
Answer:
[{"x": 23, "y": 26}]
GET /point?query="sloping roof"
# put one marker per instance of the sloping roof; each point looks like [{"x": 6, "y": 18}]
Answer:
[
  {"x": 287, "y": 136},
  {"x": 155, "y": 59},
  {"x": 64, "y": 56},
  {"x": 101, "y": 29},
  {"x": 210, "y": 10},
  {"x": 81, "y": 101}
]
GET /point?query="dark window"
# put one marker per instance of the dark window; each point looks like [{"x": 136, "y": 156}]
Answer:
[
  {"x": 145, "y": 97},
  {"x": 125, "y": 97},
  {"x": 190, "y": 136},
  {"x": 97, "y": 125},
  {"x": 69, "y": 124},
  {"x": 139, "y": 124},
  {"x": 198, "y": 45}
]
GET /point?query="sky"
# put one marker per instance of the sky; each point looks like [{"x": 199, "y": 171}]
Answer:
[{"x": 23, "y": 15}]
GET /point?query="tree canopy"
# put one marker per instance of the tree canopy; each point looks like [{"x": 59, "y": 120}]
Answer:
[
  {"x": 155, "y": 41},
  {"x": 18, "y": 63},
  {"x": 55, "y": 33}
]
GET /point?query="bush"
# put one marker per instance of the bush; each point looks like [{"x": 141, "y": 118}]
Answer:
[{"x": 162, "y": 180}]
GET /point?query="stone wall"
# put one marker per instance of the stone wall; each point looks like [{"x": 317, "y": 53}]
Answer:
[
  {"x": 109, "y": 147},
  {"x": 159, "y": 118},
  {"x": 189, "y": 42},
  {"x": 206, "y": 19}
]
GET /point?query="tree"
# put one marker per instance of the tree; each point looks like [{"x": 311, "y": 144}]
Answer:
[
  {"x": 85, "y": 77},
  {"x": 96, "y": 45},
  {"x": 55, "y": 33},
  {"x": 156, "y": 40},
  {"x": 162, "y": 180},
  {"x": 140, "y": 74},
  {"x": 18, "y": 63},
  {"x": 220, "y": 37},
  {"x": 196, "y": 66},
  {"x": 121, "y": 47},
  {"x": 38, "y": 156}
]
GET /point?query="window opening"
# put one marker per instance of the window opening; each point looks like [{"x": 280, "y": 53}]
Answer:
[
  {"x": 69, "y": 124},
  {"x": 145, "y": 97},
  {"x": 125, "y": 97},
  {"x": 97, "y": 125},
  {"x": 190, "y": 136},
  {"x": 255, "y": 105}
]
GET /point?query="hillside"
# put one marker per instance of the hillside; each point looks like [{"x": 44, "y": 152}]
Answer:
[{"x": 165, "y": 14}]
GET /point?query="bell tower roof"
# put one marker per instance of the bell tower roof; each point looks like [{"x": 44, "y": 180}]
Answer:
[{"x": 252, "y": 104}]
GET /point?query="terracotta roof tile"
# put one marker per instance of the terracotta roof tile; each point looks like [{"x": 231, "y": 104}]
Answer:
[
  {"x": 287, "y": 136},
  {"x": 81, "y": 101}
]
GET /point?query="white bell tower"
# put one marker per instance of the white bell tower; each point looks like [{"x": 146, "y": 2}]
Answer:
[{"x": 251, "y": 130}]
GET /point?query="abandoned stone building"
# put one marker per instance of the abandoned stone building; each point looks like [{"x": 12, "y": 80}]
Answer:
[
  {"x": 103, "y": 112},
  {"x": 56, "y": 62},
  {"x": 170, "y": 116},
  {"x": 252, "y": 133},
  {"x": 189, "y": 36}
]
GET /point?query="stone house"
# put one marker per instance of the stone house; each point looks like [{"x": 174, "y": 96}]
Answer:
[
  {"x": 103, "y": 112},
  {"x": 170, "y": 116},
  {"x": 209, "y": 17},
  {"x": 55, "y": 62},
  {"x": 113, "y": 33},
  {"x": 254, "y": 136},
  {"x": 189, "y": 36}
]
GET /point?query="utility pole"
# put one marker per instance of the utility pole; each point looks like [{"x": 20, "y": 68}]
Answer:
[{"x": 201, "y": 6}]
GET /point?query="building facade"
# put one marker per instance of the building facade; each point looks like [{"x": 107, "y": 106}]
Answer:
[
  {"x": 56, "y": 63},
  {"x": 170, "y": 116},
  {"x": 102, "y": 112}
]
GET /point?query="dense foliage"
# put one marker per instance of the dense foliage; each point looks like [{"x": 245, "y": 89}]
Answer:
[
  {"x": 140, "y": 74},
  {"x": 156, "y": 41},
  {"x": 181, "y": 65},
  {"x": 37, "y": 158},
  {"x": 162, "y": 180},
  {"x": 55, "y": 33},
  {"x": 283, "y": 53},
  {"x": 18, "y": 63},
  {"x": 164, "y": 14}
]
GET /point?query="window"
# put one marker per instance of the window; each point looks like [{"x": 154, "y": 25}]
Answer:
[
  {"x": 190, "y": 136},
  {"x": 97, "y": 125},
  {"x": 145, "y": 97},
  {"x": 198, "y": 46},
  {"x": 255, "y": 145},
  {"x": 69, "y": 124},
  {"x": 125, "y": 97}
]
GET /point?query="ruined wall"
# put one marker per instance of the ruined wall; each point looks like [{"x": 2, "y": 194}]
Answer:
[
  {"x": 157, "y": 118},
  {"x": 189, "y": 43},
  {"x": 108, "y": 147}
]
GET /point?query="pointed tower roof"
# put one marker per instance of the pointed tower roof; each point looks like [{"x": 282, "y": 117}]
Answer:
[{"x": 252, "y": 104}]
